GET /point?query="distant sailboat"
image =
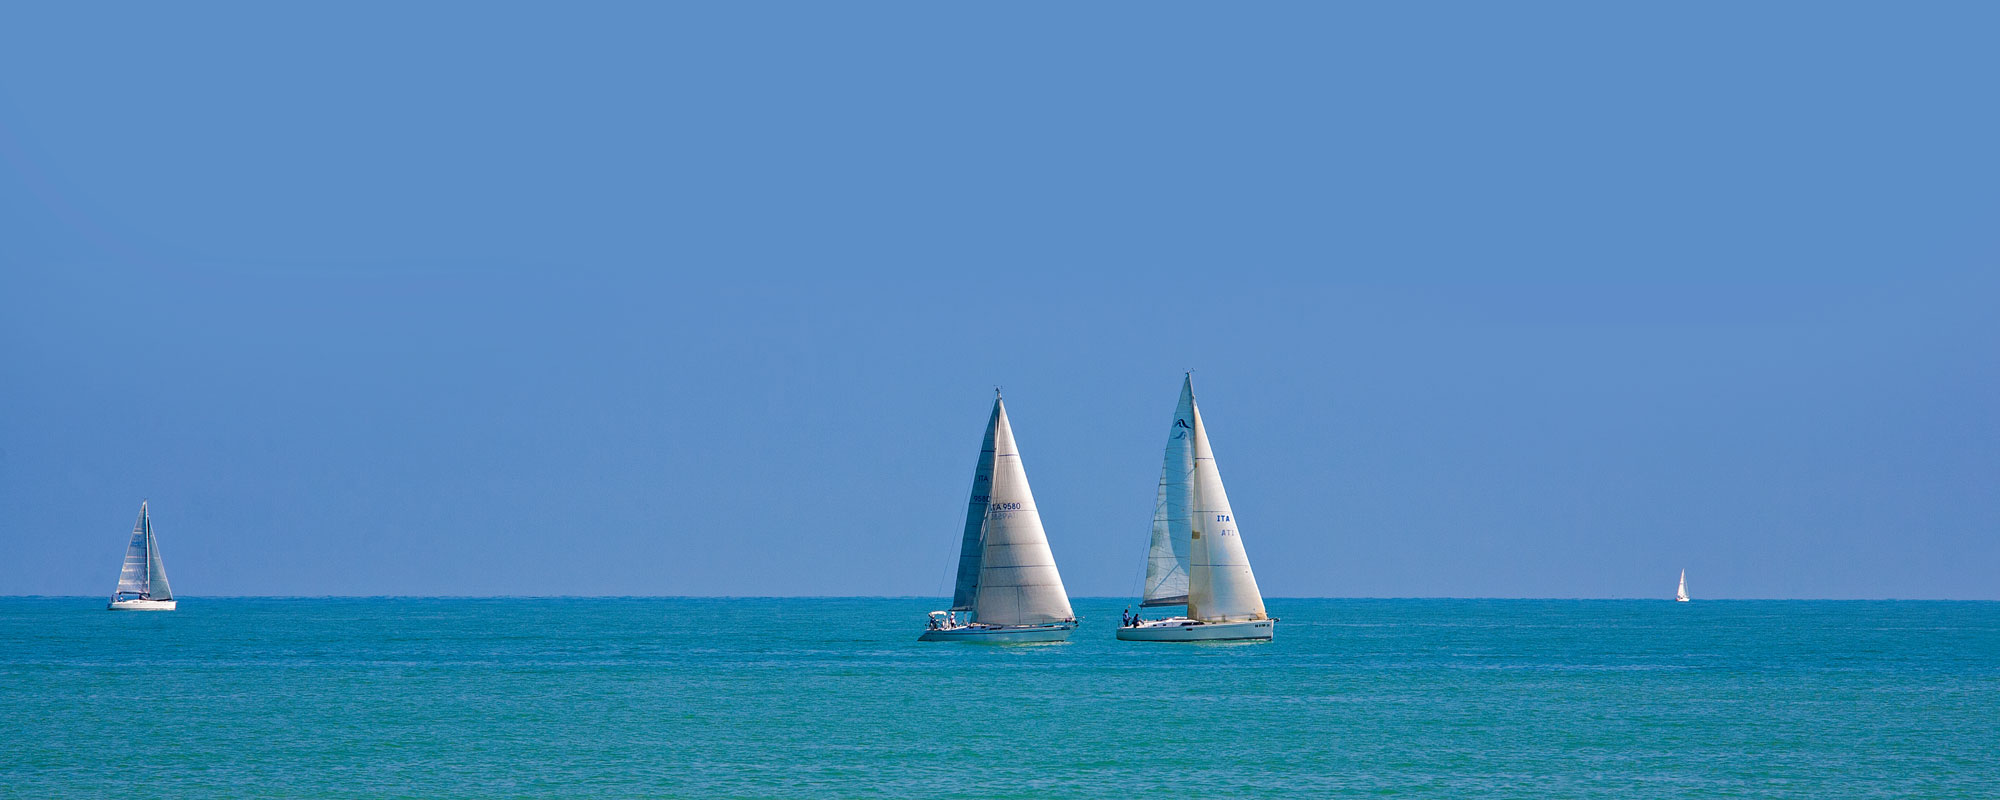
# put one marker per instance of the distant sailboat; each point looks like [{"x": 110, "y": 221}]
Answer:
[
  {"x": 1197, "y": 557},
  {"x": 1682, "y": 594},
  {"x": 142, "y": 584},
  {"x": 1008, "y": 586}
]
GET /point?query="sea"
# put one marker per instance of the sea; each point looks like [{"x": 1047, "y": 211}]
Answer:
[{"x": 834, "y": 698}]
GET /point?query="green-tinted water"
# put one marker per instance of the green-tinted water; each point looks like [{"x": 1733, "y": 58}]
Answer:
[{"x": 836, "y": 698}]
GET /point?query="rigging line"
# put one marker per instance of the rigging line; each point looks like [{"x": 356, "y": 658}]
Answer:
[
  {"x": 1143, "y": 565},
  {"x": 1147, "y": 562},
  {"x": 947, "y": 584}
]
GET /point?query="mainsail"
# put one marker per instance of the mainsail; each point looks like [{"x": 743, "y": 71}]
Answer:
[
  {"x": 972, "y": 548},
  {"x": 1167, "y": 559},
  {"x": 1682, "y": 593},
  {"x": 144, "y": 574},
  {"x": 1018, "y": 582},
  {"x": 1221, "y": 587}
]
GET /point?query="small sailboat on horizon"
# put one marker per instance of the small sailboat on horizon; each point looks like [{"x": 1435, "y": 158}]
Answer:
[
  {"x": 1681, "y": 595},
  {"x": 142, "y": 582},
  {"x": 1008, "y": 585},
  {"x": 1196, "y": 558}
]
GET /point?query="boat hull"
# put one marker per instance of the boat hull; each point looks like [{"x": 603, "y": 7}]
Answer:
[
  {"x": 142, "y": 605},
  {"x": 1002, "y": 635},
  {"x": 1185, "y": 630}
]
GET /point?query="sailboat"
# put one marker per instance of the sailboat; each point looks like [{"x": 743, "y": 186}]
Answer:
[
  {"x": 142, "y": 584},
  {"x": 1197, "y": 557},
  {"x": 1681, "y": 596},
  {"x": 1008, "y": 586}
]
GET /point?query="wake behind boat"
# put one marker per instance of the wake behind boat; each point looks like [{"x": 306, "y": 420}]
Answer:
[
  {"x": 1197, "y": 556},
  {"x": 142, "y": 583},
  {"x": 1008, "y": 586}
]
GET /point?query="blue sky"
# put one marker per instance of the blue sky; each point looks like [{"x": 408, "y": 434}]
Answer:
[{"x": 1548, "y": 300}]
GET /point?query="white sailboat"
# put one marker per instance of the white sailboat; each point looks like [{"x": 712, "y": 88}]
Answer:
[
  {"x": 142, "y": 583},
  {"x": 1008, "y": 586},
  {"x": 1681, "y": 596},
  {"x": 1197, "y": 557}
]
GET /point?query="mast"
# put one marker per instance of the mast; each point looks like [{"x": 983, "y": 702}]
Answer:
[
  {"x": 971, "y": 548},
  {"x": 1221, "y": 587},
  {"x": 1018, "y": 581}
]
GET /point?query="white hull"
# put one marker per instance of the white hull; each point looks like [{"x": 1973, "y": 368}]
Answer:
[
  {"x": 141, "y": 605},
  {"x": 1680, "y": 599},
  {"x": 1182, "y": 629},
  {"x": 1001, "y": 635}
]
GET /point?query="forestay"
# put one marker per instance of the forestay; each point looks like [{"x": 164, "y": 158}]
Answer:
[
  {"x": 1221, "y": 587},
  {"x": 1167, "y": 559},
  {"x": 1018, "y": 582}
]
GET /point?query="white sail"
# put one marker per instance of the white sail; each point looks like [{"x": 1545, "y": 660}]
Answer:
[
  {"x": 1167, "y": 559},
  {"x": 1018, "y": 582},
  {"x": 144, "y": 574},
  {"x": 1682, "y": 593},
  {"x": 135, "y": 577},
  {"x": 1221, "y": 587},
  {"x": 156, "y": 569},
  {"x": 971, "y": 549}
]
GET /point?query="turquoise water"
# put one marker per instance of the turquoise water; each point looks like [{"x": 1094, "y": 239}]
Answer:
[{"x": 836, "y": 698}]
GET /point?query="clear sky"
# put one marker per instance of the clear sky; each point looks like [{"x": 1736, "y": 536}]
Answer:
[{"x": 1540, "y": 300}]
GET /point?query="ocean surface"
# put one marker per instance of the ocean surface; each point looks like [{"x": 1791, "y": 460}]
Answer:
[{"x": 710, "y": 698}]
